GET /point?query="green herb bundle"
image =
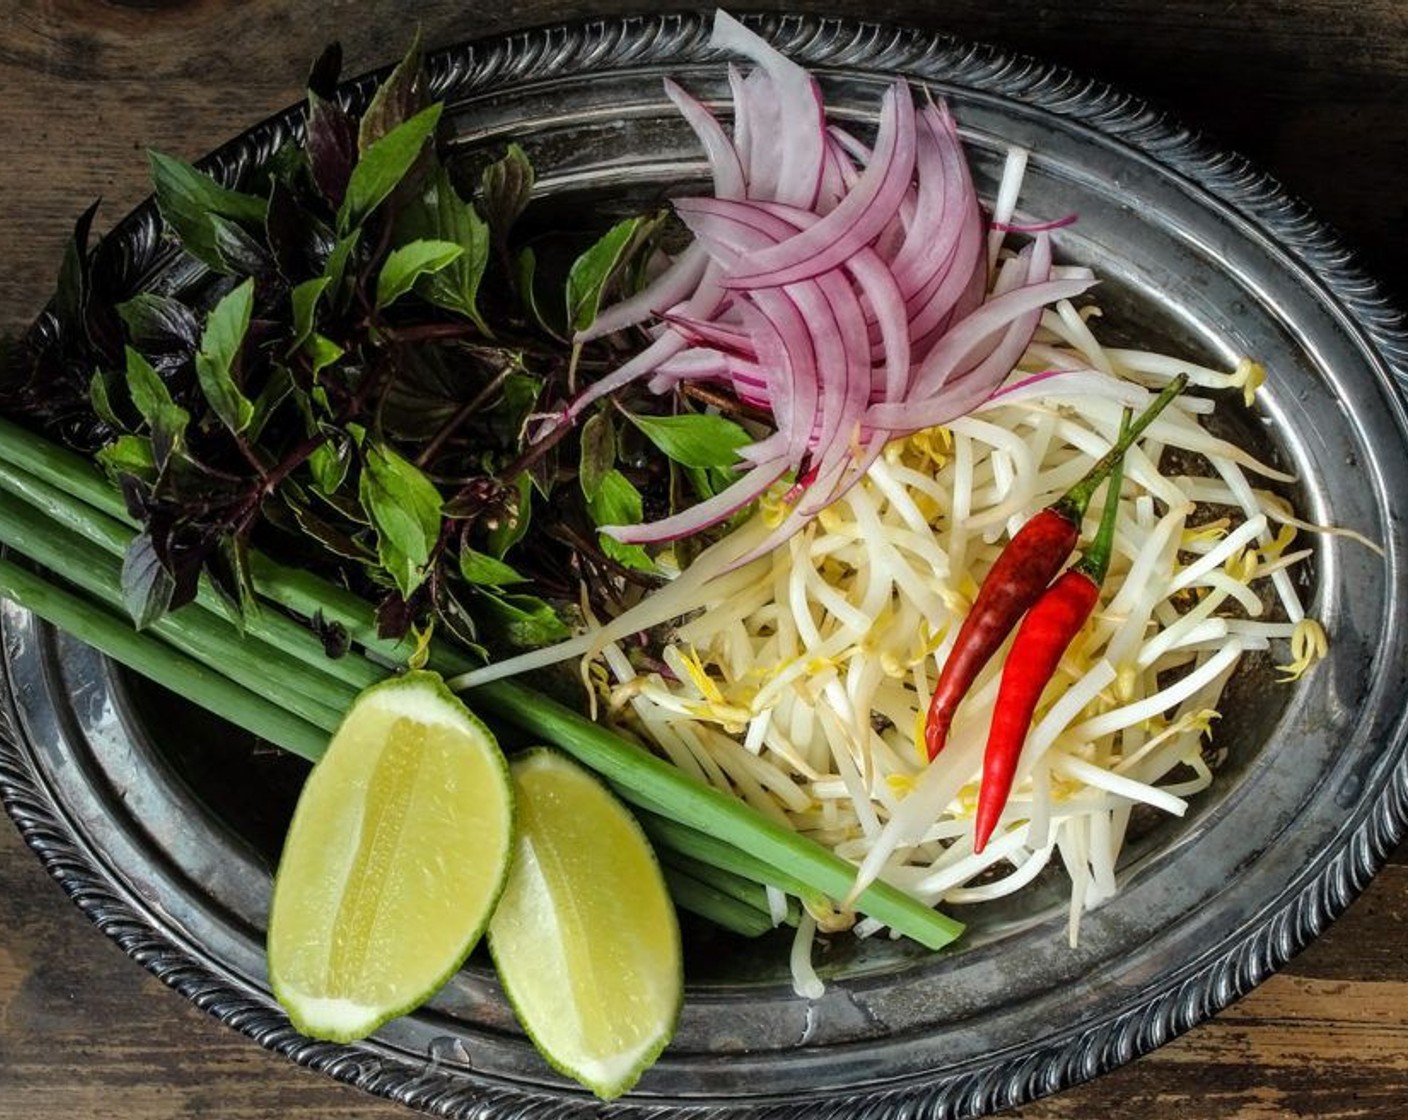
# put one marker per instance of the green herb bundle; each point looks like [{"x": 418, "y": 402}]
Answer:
[{"x": 352, "y": 379}]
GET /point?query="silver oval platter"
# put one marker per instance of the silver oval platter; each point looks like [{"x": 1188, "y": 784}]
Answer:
[{"x": 164, "y": 826}]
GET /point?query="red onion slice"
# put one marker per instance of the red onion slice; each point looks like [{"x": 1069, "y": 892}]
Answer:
[
  {"x": 724, "y": 164},
  {"x": 859, "y": 217},
  {"x": 845, "y": 289},
  {"x": 674, "y": 285},
  {"x": 711, "y": 511},
  {"x": 795, "y": 144}
]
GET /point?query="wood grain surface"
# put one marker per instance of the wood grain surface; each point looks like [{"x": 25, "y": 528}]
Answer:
[{"x": 1316, "y": 92}]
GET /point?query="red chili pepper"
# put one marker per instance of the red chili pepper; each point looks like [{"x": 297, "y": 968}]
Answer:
[
  {"x": 1047, "y": 630},
  {"x": 1022, "y": 572}
]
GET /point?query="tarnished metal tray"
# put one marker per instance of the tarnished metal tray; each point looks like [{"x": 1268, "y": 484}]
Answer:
[{"x": 164, "y": 825}]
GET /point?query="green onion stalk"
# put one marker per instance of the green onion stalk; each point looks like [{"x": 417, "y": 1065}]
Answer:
[{"x": 271, "y": 675}]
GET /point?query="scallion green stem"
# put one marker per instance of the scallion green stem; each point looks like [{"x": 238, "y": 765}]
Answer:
[
  {"x": 114, "y": 637},
  {"x": 744, "y": 891},
  {"x": 714, "y": 905},
  {"x": 665, "y": 832},
  {"x": 643, "y": 779},
  {"x": 113, "y": 536},
  {"x": 66, "y": 469},
  {"x": 637, "y": 775},
  {"x": 202, "y": 636}
]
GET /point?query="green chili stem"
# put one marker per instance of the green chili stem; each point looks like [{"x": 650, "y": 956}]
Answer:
[
  {"x": 1094, "y": 561},
  {"x": 1076, "y": 500}
]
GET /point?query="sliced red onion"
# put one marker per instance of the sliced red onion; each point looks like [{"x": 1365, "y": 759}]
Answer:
[
  {"x": 683, "y": 276},
  {"x": 724, "y": 164},
  {"x": 705, "y": 301},
  {"x": 1033, "y": 227},
  {"x": 706, "y": 332},
  {"x": 711, "y": 511},
  {"x": 959, "y": 343},
  {"x": 787, "y": 353},
  {"x": 882, "y": 301},
  {"x": 737, "y": 228},
  {"x": 835, "y": 169},
  {"x": 844, "y": 289},
  {"x": 797, "y": 140},
  {"x": 945, "y": 204},
  {"x": 926, "y": 399},
  {"x": 958, "y": 295},
  {"x": 674, "y": 285},
  {"x": 666, "y": 346},
  {"x": 699, "y": 363},
  {"x": 844, "y": 147},
  {"x": 859, "y": 217},
  {"x": 742, "y": 126}
]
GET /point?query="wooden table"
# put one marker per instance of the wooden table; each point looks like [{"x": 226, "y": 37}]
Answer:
[{"x": 1314, "y": 90}]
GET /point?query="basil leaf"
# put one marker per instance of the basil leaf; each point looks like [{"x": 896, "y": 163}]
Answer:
[
  {"x": 128, "y": 455},
  {"x": 299, "y": 240},
  {"x": 526, "y": 269},
  {"x": 323, "y": 74},
  {"x": 328, "y": 534},
  {"x": 708, "y": 481},
  {"x": 595, "y": 269},
  {"x": 147, "y": 587},
  {"x": 276, "y": 390},
  {"x": 188, "y": 198},
  {"x": 396, "y": 99},
  {"x": 230, "y": 575},
  {"x": 404, "y": 508},
  {"x": 336, "y": 267},
  {"x": 384, "y": 165},
  {"x": 618, "y": 502},
  {"x": 598, "y": 453},
  {"x": 404, "y": 266},
  {"x": 241, "y": 253},
  {"x": 166, "y": 419},
  {"x": 304, "y": 299},
  {"x": 505, "y": 188},
  {"x": 514, "y": 524},
  {"x": 331, "y": 143},
  {"x": 154, "y": 320},
  {"x": 328, "y": 464},
  {"x": 322, "y": 352},
  {"x": 71, "y": 297},
  {"x": 443, "y": 216},
  {"x": 524, "y": 620},
  {"x": 519, "y": 396},
  {"x": 696, "y": 439},
  {"x": 100, "y": 397},
  {"x": 487, "y": 571},
  {"x": 225, "y": 330}
]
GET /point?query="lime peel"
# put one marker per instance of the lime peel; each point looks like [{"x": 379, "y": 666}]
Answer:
[
  {"x": 396, "y": 855},
  {"x": 585, "y": 938}
]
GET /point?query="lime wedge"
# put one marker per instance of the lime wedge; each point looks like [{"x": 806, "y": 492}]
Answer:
[
  {"x": 585, "y": 937},
  {"x": 397, "y": 852}
]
